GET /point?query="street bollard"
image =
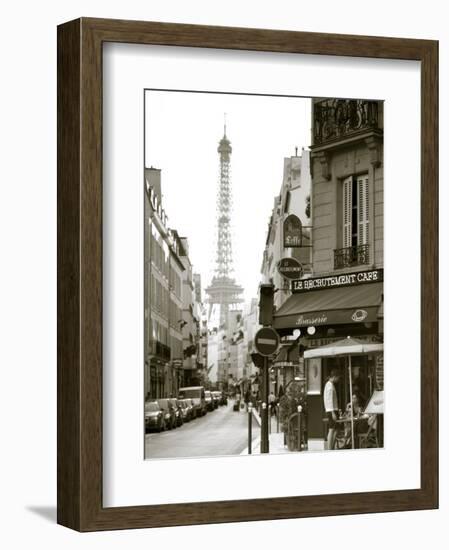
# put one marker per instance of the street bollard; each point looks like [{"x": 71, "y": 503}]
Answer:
[
  {"x": 264, "y": 441},
  {"x": 250, "y": 428},
  {"x": 299, "y": 427}
]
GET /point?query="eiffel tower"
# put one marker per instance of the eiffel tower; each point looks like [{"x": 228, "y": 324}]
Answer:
[{"x": 223, "y": 291}]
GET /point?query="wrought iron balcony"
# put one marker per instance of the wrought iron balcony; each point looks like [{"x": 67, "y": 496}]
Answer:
[
  {"x": 351, "y": 256},
  {"x": 338, "y": 118}
]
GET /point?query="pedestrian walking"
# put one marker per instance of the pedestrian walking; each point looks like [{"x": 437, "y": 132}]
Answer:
[
  {"x": 247, "y": 398},
  {"x": 253, "y": 399},
  {"x": 272, "y": 403}
]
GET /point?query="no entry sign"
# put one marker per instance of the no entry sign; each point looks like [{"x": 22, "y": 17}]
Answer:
[{"x": 266, "y": 341}]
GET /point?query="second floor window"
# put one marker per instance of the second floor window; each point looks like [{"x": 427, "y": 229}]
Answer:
[
  {"x": 355, "y": 211},
  {"x": 355, "y": 226}
]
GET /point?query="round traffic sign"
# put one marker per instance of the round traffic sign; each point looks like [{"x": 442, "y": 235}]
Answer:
[{"x": 266, "y": 341}]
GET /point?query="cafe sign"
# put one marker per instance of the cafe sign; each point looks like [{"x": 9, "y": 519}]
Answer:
[
  {"x": 292, "y": 232},
  {"x": 290, "y": 268},
  {"x": 338, "y": 281},
  {"x": 327, "y": 317}
]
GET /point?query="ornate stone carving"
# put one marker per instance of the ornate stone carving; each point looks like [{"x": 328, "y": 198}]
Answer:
[{"x": 373, "y": 145}]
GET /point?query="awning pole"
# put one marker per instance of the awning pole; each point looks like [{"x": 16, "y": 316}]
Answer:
[{"x": 350, "y": 397}]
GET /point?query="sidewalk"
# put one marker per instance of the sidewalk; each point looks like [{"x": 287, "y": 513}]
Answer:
[{"x": 276, "y": 440}]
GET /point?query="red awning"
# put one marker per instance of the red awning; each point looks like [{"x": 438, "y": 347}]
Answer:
[{"x": 331, "y": 306}]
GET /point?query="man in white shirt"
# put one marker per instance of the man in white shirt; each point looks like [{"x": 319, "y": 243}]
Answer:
[{"x": 331, "y": 406}]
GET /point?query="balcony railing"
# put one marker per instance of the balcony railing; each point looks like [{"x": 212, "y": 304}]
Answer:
[
  {"x": 338, "y": 118},
  {"x": 351, "y": 256}
]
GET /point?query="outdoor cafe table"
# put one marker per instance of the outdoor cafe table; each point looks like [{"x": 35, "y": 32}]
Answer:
[{"x": 346, "y": 420}]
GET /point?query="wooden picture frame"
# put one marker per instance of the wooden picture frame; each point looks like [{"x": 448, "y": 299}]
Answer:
[{"x": 80, "y": 504}]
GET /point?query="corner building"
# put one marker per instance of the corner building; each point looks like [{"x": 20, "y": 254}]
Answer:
[
  {"x": 343, "y": 295},
  {"x": 292, "y": 201}
]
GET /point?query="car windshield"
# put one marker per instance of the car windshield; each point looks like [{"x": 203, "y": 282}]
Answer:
[
  {"x": 163, "y": 403},
  {"x": 151, "y": 407}
]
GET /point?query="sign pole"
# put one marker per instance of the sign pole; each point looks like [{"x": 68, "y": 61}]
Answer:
[
  {"x": 264, "y": 442},
  {"x": 350, "y": 397},
  {"x": 266, "y": 342}
]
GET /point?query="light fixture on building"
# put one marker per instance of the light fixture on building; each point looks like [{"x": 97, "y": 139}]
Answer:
[
  {"x": 311, "y": 330},
  {"x": 297, "y": 333}
]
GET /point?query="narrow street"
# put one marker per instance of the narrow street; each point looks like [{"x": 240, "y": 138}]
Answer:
[{"x": 221, "y": 432}]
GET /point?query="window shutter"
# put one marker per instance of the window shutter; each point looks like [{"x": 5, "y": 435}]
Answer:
[
  {"x": 347, "y": 211},
  {"x": 362, "y": 209}
]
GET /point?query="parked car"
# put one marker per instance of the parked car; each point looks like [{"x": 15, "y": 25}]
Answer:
[
  {"x": 209, "y": 400},
  {"x": 215, "y": 398},
  {"x": 154, "y": 417},
  {"x": 192, "y": 407},
  {"x": 178, "y": 411},
  {"x": 186, "y": 410},
  {"x": 217, "y": 395},
  {"x": 196, "y": 393},
  {"x": 169, "y": 413}
]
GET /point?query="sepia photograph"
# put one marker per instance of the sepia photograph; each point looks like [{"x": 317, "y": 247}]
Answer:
[{"x": 263, "y": 274}]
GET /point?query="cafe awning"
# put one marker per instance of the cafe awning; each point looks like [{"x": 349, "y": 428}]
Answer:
[
  {"x": 330, "y": 306},
  {"x": 347, "y": 346}
]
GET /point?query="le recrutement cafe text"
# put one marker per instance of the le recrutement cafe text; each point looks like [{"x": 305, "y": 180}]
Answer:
[{"x": 325, "y": 310}]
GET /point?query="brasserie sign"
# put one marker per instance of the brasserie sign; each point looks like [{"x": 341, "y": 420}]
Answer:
[{"x": 338, "y": 281}]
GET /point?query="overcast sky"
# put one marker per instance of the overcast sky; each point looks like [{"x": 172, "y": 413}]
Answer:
[{"x": 182, "y": 134}]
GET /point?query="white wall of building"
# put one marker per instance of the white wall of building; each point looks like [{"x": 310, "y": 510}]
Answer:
[{"x": 294, "y": 190}]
